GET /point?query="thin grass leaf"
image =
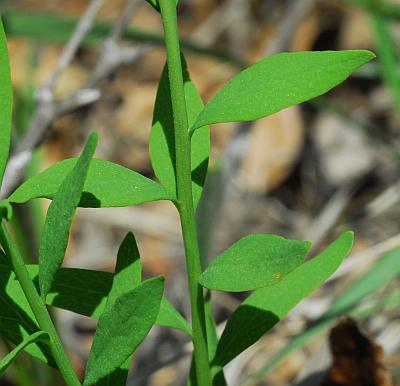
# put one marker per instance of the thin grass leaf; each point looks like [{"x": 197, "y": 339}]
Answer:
[
  {"x": 51, "y": 27},
  {"x": 267, "y": 306},
  {"x": 280, "y": 81},
  {"x": 386, "y": 269},
  {"x": 107, "y": 185},
  {"x": 59, "y": 218},
  {"x": 122, "y": 328},
  {"x": 5, "y": 103},
  {"x": 162, "y": 142},
  {"x": 10, "y": 357},
  {"x": 387, "y": 56},
  {"x": 253, "y": 262}
]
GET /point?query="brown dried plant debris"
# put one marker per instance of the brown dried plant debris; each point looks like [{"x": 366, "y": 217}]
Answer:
[{"x": 357, "y": 360}]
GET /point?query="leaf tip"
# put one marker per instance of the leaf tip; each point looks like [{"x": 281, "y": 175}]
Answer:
[{"x": 93, "y": 139}]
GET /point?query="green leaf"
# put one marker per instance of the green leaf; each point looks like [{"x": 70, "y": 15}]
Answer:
[
  {"x": 85, "y": 292},
  {"x": 118, "y": 377},
  {"x": 267, "y": 306},
  {"x": 280, "y": 81},
  {"x": 59, "y": 218},
  {"x": 127, "y": 276},
  {"x": 170, "y": 317},
  {"x": 17, "y": 321},
  {"x": 107, "y": 184},
  {"x": 253, "y": 262},
  {"x": 386, "y": 269},
  {"x": 128, "y": 270},
  {"x": 6, "y": 210},
  {"x": 162, "y": 144},
  {"x": 5, "y": 103},
  {"x": 122, "y": 328},
  {"x": 9, "y": 358}
]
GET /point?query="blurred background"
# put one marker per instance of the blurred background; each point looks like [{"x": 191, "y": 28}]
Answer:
[{"x": 308, "y": 172}]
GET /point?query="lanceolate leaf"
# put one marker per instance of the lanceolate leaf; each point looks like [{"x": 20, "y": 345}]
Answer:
[
  {"x": 5, "y": 102},
  {"x": 253, "y": 262},
  {"x": 59, "y": 218},
  {"x": 170, "y": 317},
  {"x": 122, "y": 328},
  {"x": 280, "y": 81},
  {"x": 380, "y": 275},
  {"x": 128, "y": 270},
  {"x": 82, "y": 291},
  {"x": 127, "y": 276},
  {"x": 107, "y": 185},
  {"x": 17, "y": 321},
  {"x": 9, "y": 358},
  {"x": 162, "y": 145},
  {"x": 267, "y": 306}
]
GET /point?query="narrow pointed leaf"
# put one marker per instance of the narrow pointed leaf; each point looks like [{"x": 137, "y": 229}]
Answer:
[
  {"x": 9, "y": 358},
  {"x": 85, "y": 292},
  {"x": 127, "y": 276},
  {"x": 253, "y": 262},
  {"x": 267, "y": 306},
  {"x": 107, "y": 185},
  {"x": 128, "y": 270},
  {"x": 122, "y": 328},
  {"x": 17, "y": 321},
  {"x": 162, "y": 144},
  {"x": 59, "y": 218},
  {"x": 280, "y": 81},
  {"x": 5, "y": 102},
  {"x": 386, "y": 269},
  {"x": 170, "y": 317},
  {"x": 118, "y": 377}
]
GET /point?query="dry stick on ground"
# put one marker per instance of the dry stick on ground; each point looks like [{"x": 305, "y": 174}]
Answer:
[{"x": 48, "y": 109}]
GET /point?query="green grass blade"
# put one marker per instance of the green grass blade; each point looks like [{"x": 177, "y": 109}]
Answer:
[
  {"x": 267, "y": 306},
  {"x": 280, "y": 81},
  {"x": 10, "y": 357},
  {"x": 387, "y": 57},
  {"x": 253, "y": 262},
  {"x": 122, "y": 328},
  {"x": 50, "y": 27},
  {"x": 5, "y": 103},
  {"x": 59, "y": 218},
  {"x": 162, "y": 143},
  {"x": 107, "y": 185}
]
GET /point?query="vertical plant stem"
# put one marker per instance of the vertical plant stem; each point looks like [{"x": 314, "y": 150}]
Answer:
[
  {"x": 39, "y": 308},
  {"x": 184, "y": 190}
]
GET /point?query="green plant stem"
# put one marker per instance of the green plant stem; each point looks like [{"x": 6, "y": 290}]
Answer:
[
  {"x": 39, "y": 308},
  {"x": 184, "y": 191}
]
